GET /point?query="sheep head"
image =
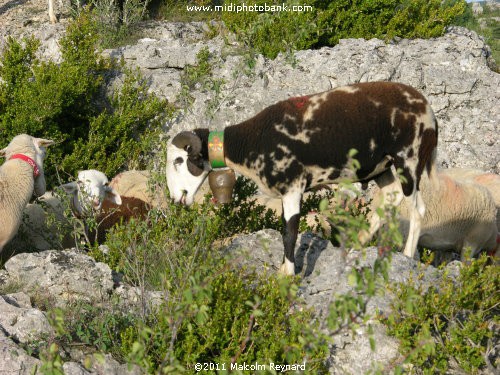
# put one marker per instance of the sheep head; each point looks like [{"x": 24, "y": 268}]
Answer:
[
  {"x": 89, "y": 191},
  {"x": 186, "y": 167},
  {"x": 35, "y": 148}
]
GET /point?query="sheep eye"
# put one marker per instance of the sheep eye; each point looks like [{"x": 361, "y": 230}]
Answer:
[{"x": 178, "y": 161}]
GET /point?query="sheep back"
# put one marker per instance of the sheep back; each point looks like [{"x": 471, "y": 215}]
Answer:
[{"x": 458, "y": 216}]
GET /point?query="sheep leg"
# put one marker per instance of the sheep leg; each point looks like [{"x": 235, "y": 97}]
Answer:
[
  {"x": 390, "y": 191},
  {"x": 417, "y": 211},
  {"x": 291, "y": 217},
  {"x": 52, "y": 14}
]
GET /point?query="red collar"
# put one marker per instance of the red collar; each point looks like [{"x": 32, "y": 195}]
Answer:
[{"x": 28, "y": 160}]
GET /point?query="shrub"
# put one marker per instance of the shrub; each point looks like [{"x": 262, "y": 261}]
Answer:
[
  {"x": 243, "y": 214},
  {"x": 329, "y": 21},
  {"x": 273, "y": 32},
  {"x": 123, "y": 135},
  {"x": 224, "y": 318},
  {"x": 212, "y": 313},
  {"x": 64, "y": 102},
  {"x": 449, "y": 322},
  {"x": 50, "y": 100}
]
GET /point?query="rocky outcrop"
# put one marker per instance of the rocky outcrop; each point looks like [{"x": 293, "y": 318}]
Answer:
[
  {"x": 68, "y": 276},
  {"x": 452, "y": 71},
  {"x": 57, "y": 278},
  {"x": 61, "y": 276},
  {"x": 324, "y": 270}
]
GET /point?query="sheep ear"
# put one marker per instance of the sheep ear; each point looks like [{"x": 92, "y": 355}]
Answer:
[
  {"x": 70, "y": 187},
  {"x": 113, "y": 196},
  {"x": 40, "y": 142},
  {"x": 3, "y": 152}
]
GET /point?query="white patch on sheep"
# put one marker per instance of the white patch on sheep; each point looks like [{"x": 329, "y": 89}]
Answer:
[
  {"x": 283, "y": 163},
  {"x": 182, "y": 185},
  {"x": 348, "y": 89},
  {"x": 303, "y": 135},
  {"x": 315, "y": 102},
  {"x": 411, "y": 99}
]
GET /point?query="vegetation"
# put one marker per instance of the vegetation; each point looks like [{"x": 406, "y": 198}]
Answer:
[
  {"x": 449, "y": 324},
  {"x": 329, "y": 21},
  {"x": 486, "y": 24},
  {"x": 207, "y": 309},
  {"x": 63, "y": 101}
]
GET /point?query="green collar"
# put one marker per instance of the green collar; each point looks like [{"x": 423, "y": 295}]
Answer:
[{"x": 216, "y": 149}]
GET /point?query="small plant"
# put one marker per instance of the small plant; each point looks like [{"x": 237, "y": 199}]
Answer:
[
  {"x": 200, "y": 77},
  {"x": 243, "y": 214},
  {"x": 117, "y": 21},
  {"x": 228, "y": 317},
  {"x": 449, "y": 322}
]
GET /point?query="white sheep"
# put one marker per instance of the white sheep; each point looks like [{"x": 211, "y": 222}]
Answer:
[
  {"x": 459, "y": 216},
  {"x": 21, "y": 176},
  {"x": 490, "y": 181},
  {"x": 46, "y": 225}
]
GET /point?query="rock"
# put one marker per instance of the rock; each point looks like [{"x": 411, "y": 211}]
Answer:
[
  {"x": 136, "y": 299},
  {"x": 98, "y": 364},
  {"x": 63, "y": 276},
  {"x": 74, "y": 368},
  {"x": 15, "y": 360},
  {"x": 357, "y": 356},
  {"x": 22, "y": 322},
  {"x": 324, "y": 271}
]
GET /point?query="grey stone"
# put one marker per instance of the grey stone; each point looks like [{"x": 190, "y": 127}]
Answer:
[
  {"x": 21, "y": 323},
  {"x": 324, "y": 271},
  {"x": 15, "y": 360},
  {"x": 62, "y": 275},
  {"x": 98, "y": 364},
  {"x": 74, "y": 368}
]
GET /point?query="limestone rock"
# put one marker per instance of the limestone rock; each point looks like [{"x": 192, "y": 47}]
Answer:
[
  {"x": 15, "y": 360},
  {"x": 20, "y": 321},
  {"x": 324, "y": 271},
  {"x": 61, "y": 275}
]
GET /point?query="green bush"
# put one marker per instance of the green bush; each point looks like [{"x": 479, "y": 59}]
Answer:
[
  {"x": 329, "y": 21},
  {"x": 124, "y": 135},
  {"x": 273, "y": 32},
  {"x": 224, "y": 318},
  {"x": 449, "y": 322},
  {"x": 50, "y": 100},
  {"x": 212, "y": 313},
  {"x": 243, "y": 214},
  {"x": 64, "y": 101}
]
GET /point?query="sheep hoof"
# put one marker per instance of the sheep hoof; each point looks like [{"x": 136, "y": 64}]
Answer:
[{"x": 287, "y": 268}]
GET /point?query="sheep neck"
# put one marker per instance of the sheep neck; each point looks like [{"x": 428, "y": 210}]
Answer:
[{"x": 30, "y": 161}]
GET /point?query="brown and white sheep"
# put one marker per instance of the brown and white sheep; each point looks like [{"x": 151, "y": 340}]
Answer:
[
  {"x": 21, "y": 177},
  {"x": 294, "y": 145},
  {"x": 139, "y": 194}
]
